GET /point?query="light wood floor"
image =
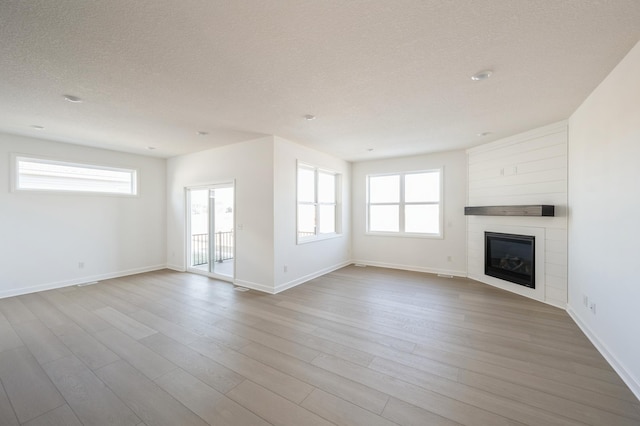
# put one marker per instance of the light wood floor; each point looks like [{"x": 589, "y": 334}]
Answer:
[{"x": 359, "y": 346}]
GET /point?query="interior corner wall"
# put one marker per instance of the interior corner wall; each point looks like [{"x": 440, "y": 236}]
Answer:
[
  {"x": 416, "y": 254},
  {"x": 44, "y": 236},
  {"x": 311, "y": 259},
  {"x": 604, "y": 227},
  {"x": 250, "y": 165}
]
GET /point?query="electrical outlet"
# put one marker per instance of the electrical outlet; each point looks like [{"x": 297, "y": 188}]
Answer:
[
  {"x": 585, "y": 301},
  {"x": 80, "y": 265},
  {"x": 593, "y": 308},
  {"x": 448, "y": 258},
  {"x": 286, "y": 268}
]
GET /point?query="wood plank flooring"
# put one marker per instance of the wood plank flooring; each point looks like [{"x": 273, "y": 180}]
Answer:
[{"x": 359, "y": 346}]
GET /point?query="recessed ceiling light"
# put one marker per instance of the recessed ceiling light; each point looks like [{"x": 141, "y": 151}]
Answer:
[
  {"x": 202, "y": 133},
  {"x": 369, "y": 149},
  {"x": 483, "y": 134},
  {"x": 482, "y": 75},
  {"x": 35, "y": 126},
  {"x": 309, "y": 117},
  {"x": 151, "y": 148},
  {"x": 71, "y": 98}
]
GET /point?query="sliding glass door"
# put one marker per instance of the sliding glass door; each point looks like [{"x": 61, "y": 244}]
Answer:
[{"x": 211, "y": 239}]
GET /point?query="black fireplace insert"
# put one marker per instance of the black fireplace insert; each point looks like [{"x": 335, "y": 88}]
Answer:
[{"x": 510, "y": 257}]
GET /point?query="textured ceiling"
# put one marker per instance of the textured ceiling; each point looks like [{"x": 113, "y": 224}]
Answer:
[{"x": 391, "y": 75}]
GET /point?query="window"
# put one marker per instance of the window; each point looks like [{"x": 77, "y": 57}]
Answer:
[
  {"x": 36, "y": 174},
  {"x": 317, "y": 203},
  {"x": 405, "y": 203}
]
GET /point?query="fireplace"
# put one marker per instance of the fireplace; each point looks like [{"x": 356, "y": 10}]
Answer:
[{"x": 510, "y": 257}]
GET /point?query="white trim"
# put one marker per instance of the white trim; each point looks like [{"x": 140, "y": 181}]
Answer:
[
  {"x": 402, "y": 204},
  {"x": 15, "y": 176},
  {"x": 176, "y": 268},
  {"x": 212, "y": 275},
  {"x": 539, "y": 292},
  {"x": 319, "y": 237},
  {"x": 187, "y": 228},
  {"x": 562, "y": 306},
  {"x": 337, "y": 203},
  {"x": 255, "y": 286},
  {"x": 455, "y": 273},
  {"x": 309, "y": 277},
  {"x": 405, "y": 235},
  {"x": 81, "y": 280},
  {"x": 627, "y": 378}
]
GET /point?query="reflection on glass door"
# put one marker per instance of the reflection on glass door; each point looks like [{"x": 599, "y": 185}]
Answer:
[{"x": 211, "y": 224}]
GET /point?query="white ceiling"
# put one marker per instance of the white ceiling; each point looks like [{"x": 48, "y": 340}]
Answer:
[{"x": 392, "y": 75}]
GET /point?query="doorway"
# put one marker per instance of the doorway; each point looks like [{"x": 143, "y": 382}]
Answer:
[{"x": 210, "y": 230}]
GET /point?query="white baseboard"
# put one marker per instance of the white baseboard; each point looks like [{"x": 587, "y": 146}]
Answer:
[
  {"x": 80, "y": 280},
  {"x": 560, "y": 305},
  {"x": 520, "y": 290},
  {"x": 461, "y": 274},
  {"x": 255, "y": 286},
  {"x": 632, "y": 382},
  {"x": 176, "y": 268},
  {"x": 309, "y": 277}
]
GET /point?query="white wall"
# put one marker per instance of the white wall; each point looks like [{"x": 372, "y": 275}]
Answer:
[
  {"x": 250, "y": 164},
  {"x": 308, "y": 260},
  {"x": 44, "y": 236},
  {"x": 604, "y": 223},
  {"x": 530, "y": 168},
  {"x": 417, "y": 254}
]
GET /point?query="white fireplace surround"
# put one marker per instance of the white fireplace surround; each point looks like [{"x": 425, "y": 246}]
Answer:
[
  {"x": 526, "y": 169},
  {"x": 476, "y": 263}
]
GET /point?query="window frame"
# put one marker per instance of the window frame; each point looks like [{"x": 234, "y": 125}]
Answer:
[
  {"x": 317, "y": 236},
  {"x": 401, "y": 206},
  {"x": 15, "y": 176}
]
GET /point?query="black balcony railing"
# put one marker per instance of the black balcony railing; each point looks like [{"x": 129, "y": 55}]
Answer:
[
  {"x": 224, "y": 246},
  {"x": 200, "y": 248}
]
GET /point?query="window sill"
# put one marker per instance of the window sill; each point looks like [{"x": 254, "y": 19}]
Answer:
[
  {"x": 406, "y": 235},
  {"x": 318, "y": 238},
  {"x": 37, "y": 191}
]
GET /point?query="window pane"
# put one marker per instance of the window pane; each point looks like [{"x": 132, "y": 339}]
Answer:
[
  {"x": 306, "y": 220},
  {"x": 384, "y": 218},
  {"x": 60, "y": 176},
  {"x": 326, "y": 188},
  {"x": 384, "y": 189},
  {"x": 423, "y": 218},
  {"x": 422, "y": 187},
  {"x": 327, "y": 219},
  {"x": 199, "y": 211},
  {"x": 306, "y": 185}
]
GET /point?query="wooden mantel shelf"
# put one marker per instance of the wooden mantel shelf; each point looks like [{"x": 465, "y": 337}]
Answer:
[{"x": 533, "y": 210}]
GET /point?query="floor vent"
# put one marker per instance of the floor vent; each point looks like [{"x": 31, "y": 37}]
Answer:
[
  {"x": 240, "y": 289},
  {"x": 445, "y": 276},
  {"x": 360, "y": 265},
  {"x": 85, "y": 284}
]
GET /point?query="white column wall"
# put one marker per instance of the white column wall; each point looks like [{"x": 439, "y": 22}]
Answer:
[
  {"x": 250, "y": 165},
  {"x": 311, "y": 259}
]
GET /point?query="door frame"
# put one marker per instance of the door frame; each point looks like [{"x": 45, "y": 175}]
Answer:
[{"x": 187, "y": 229}]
